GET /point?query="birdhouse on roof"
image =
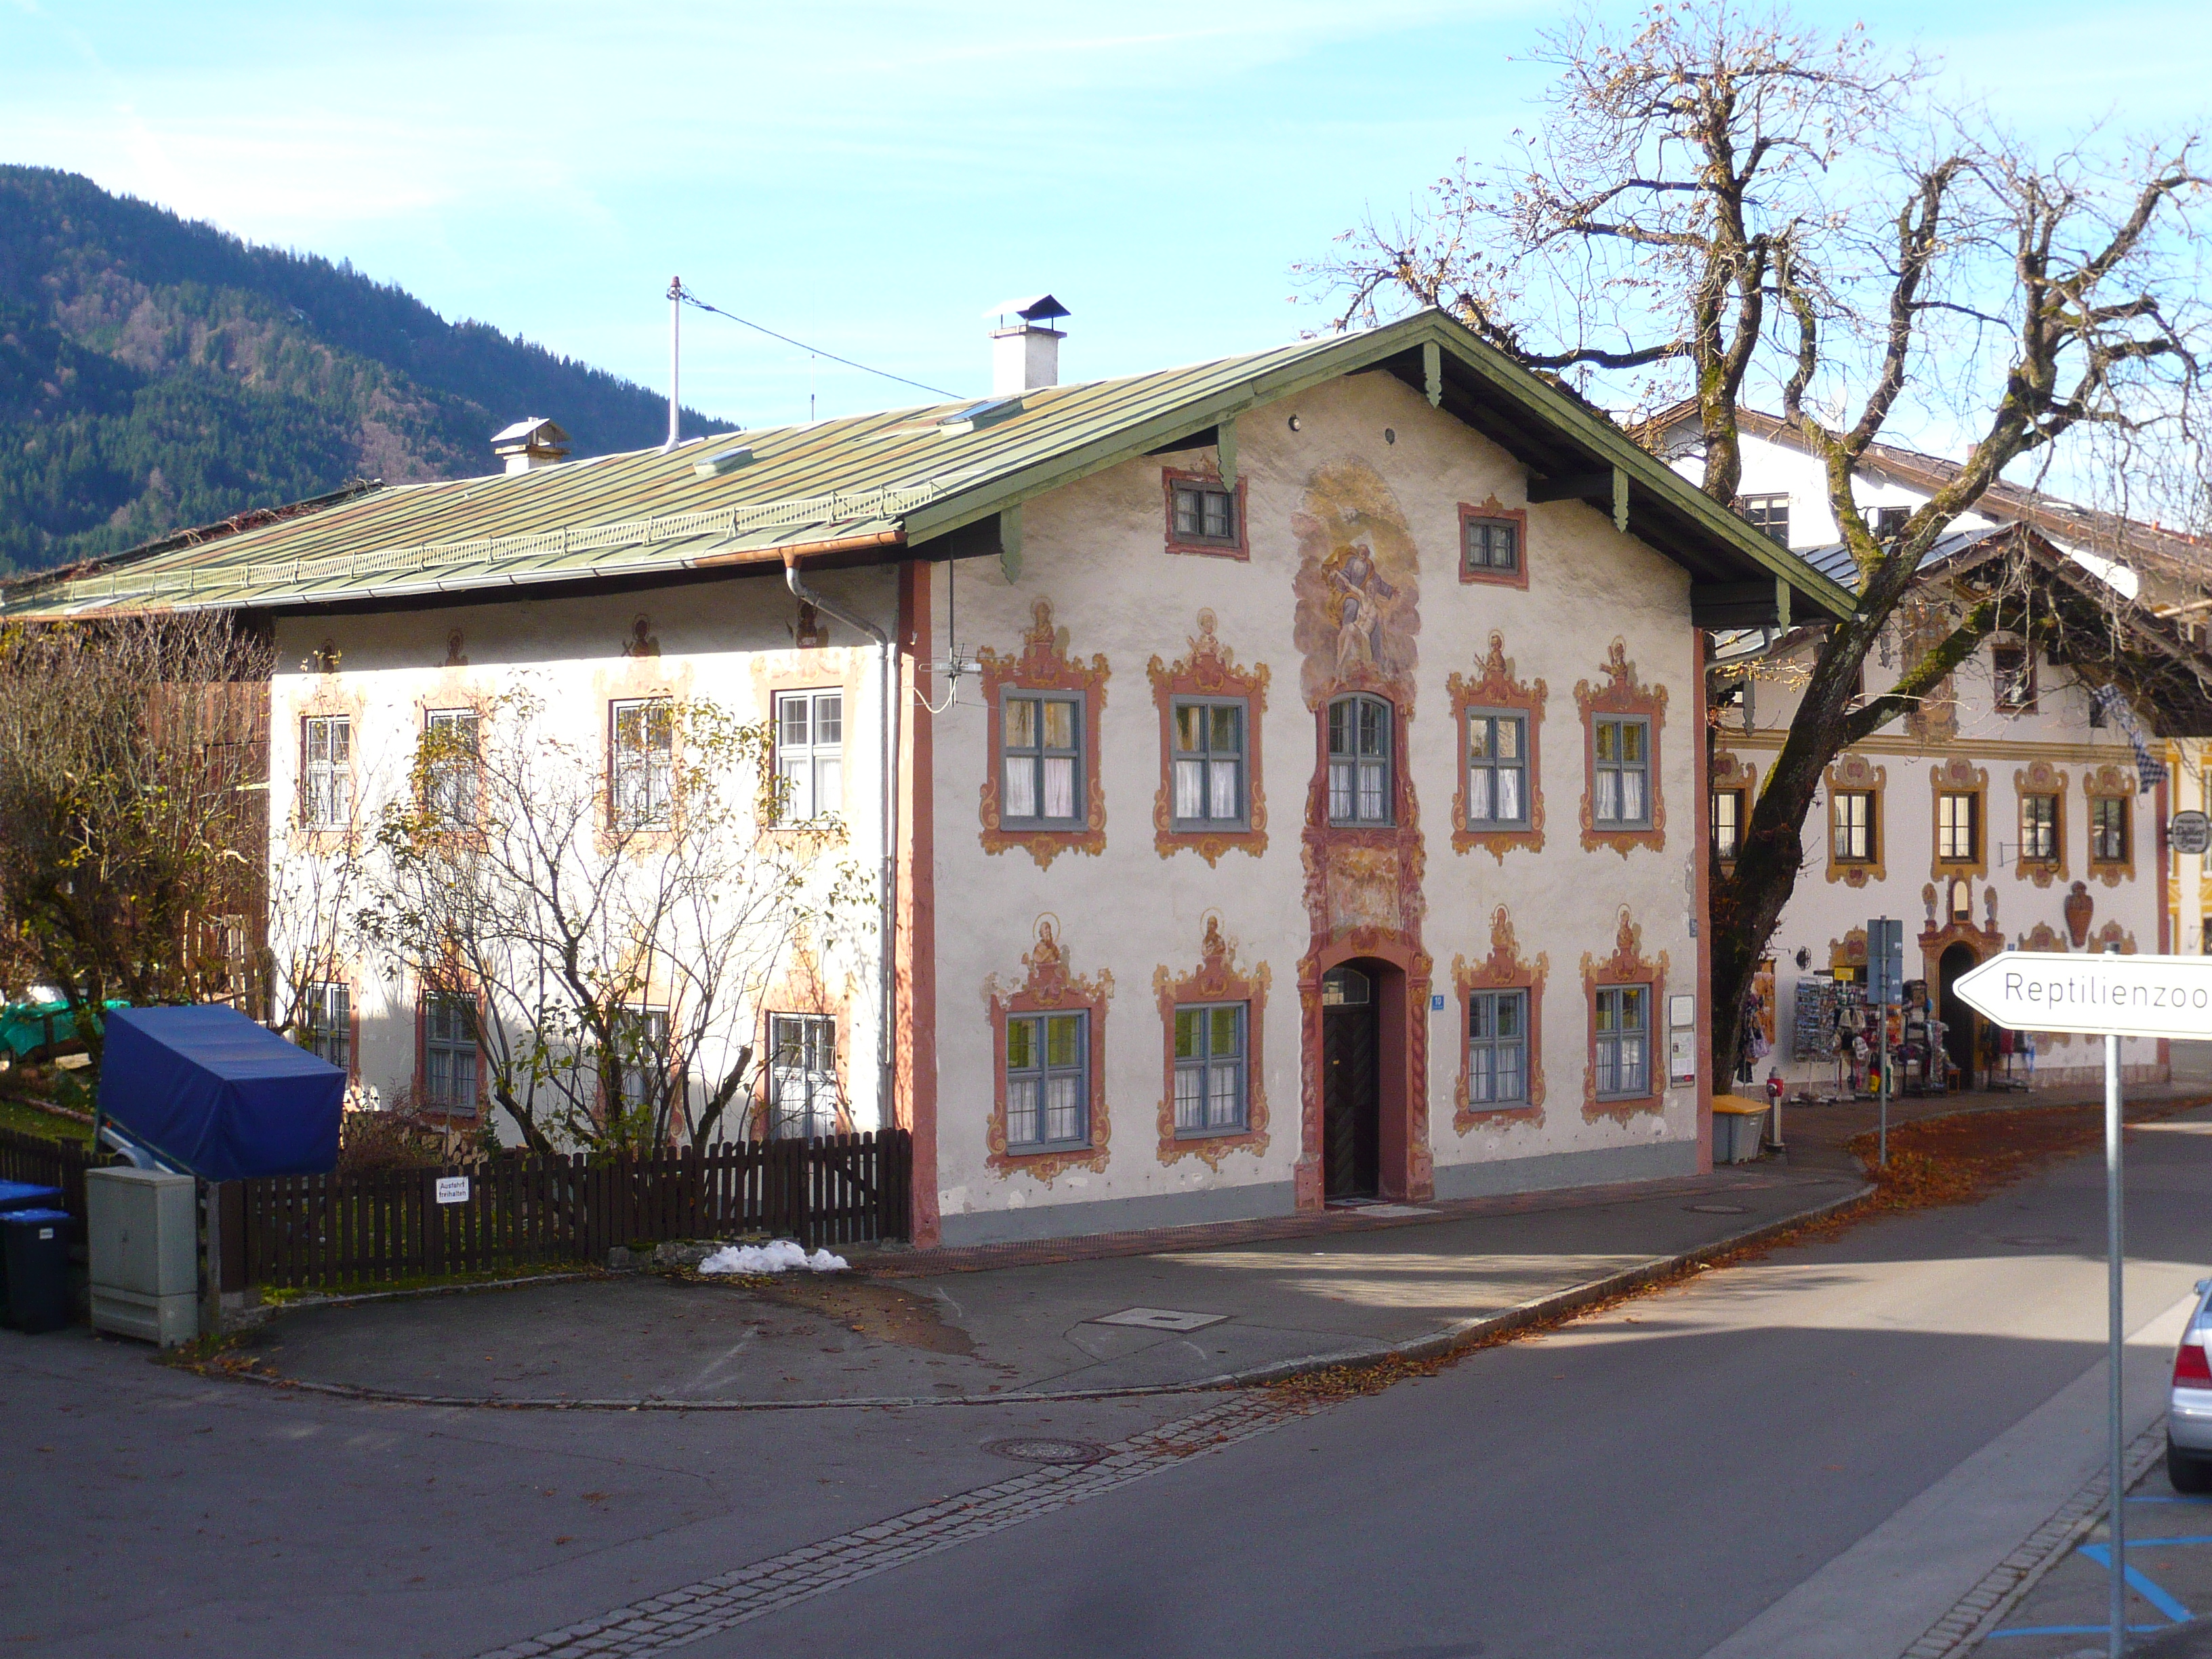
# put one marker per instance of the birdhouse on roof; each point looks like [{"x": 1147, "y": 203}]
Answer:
[{"x": 532, "y": 441}]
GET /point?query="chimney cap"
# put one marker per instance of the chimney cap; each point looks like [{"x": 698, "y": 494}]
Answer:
[
  {"x": 1035, "y": 308},
  {"x": 532, "y": 432}
]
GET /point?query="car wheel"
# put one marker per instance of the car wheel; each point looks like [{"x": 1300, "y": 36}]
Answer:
[{"x": 2187, "y": 1472}]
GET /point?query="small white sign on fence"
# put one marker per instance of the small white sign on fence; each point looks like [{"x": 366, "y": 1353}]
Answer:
[{"x": 453, "y": 1189}]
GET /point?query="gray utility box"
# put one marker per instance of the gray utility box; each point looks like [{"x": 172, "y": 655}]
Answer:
[{"x": 142, "y": 1235}]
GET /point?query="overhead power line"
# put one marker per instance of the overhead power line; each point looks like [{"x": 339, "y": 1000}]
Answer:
[{"x": 691, "y": 299}]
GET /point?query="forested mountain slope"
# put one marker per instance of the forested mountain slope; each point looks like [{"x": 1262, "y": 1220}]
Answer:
[{"x": 156, "y": 373}]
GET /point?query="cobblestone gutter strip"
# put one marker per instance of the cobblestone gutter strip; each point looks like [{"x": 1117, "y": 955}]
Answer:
[
  {"x": 694, "y": 1611},
  {"x": 1463, "y": 1334},
  {"x": 1982, "y": 1609}
]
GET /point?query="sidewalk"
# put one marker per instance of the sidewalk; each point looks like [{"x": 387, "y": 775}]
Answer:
[
  {"x": 1137, "y": 1314},
  {"x": 1179, "y": 1308}
]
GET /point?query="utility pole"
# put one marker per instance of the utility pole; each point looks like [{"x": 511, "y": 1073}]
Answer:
[{"x": 675, "y": 390}]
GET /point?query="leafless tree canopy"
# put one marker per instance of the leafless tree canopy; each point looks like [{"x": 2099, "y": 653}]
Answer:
[
  {"x": 1720, "y": 206},
  {"x": 610, "y": 952},
  {"x": 133, "y": 841}
]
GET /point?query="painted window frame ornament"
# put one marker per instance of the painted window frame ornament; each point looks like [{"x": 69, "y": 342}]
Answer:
[
  {"x": 2040, "y": 780},
  {"x": 1626, "y": 968},
  {"x": 1622, "y": 697},
  {"x": 1043, "y": 667},
  {"x": 1490, "y": 516},
  {"x": 1491, "y": 694},
  {"x": 1207, "y": 677},
  {"x": 1729, "y": 776},
  {"x": 2111, "y": 783},
  {"x": 1216, "y": 983},
  {"x": 1048, "y": 989},
  {"x": 1953, "y": 777},
  {"x": 1503, "y": 971},
  {"x": 1854, "y": 775},
  {"x": 1235, "y": 546}
]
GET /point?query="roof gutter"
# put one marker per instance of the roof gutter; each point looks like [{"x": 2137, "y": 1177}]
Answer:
[{"x": 894, "y": 705}]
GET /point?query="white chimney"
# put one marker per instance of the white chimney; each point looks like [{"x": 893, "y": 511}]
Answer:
[
  {"x": 1025, "y": 353},
  {"x": 530, "y": 442}
]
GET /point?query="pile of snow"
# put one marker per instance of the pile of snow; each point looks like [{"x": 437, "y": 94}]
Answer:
[{"x": 777, "y": 1256}]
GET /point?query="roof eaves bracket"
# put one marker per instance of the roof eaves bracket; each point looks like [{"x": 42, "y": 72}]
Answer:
[
  {"x": 1010, "y": 542},
  {"x": 1225, "y": 444},
  {"x": 1606, "y": 489},
  {"x": 1433, "y": 372}
]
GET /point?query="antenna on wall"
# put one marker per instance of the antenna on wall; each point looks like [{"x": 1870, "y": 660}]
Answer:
[{"x": 675, "y": 326}]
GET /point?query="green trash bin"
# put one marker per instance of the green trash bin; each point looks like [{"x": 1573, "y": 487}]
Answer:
[{"x": 35, "y": 1244}]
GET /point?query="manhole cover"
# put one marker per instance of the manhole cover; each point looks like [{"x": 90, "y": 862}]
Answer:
[
  {"x": 1160, "y": 1319},
  {"x": 1718, "y": 1209},
  {"x": 2039, "y": 1241},
  {"x": 1048, "y": 1451}
]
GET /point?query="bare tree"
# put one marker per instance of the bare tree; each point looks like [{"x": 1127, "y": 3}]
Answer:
[
  {"x": 609, "y": 939},
  {"x": 1719, "y": 200},
  {"x": 133, "y": 754}
]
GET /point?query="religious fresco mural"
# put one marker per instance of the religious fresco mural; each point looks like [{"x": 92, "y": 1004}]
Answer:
[{"x": 1357, "y": 594}]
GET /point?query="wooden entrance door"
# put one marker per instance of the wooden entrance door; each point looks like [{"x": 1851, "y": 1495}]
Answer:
[
  {"x": 1961, "y": 1026},
  {"x": 1351, "y": 1089}
]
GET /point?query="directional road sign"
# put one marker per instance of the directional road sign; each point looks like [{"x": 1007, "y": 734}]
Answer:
[{"x": 2100, "y": 994}]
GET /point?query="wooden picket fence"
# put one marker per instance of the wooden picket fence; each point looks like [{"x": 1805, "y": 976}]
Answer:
[
  {"x": 44, "y": 1162},
  {"x": 521, "y": 1209}
]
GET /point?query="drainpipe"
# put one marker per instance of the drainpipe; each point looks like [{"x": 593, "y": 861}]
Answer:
[{"x": 894, "y": 705}]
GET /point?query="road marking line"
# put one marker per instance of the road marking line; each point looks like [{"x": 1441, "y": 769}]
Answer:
[{"x": 2102, "y": 1555}]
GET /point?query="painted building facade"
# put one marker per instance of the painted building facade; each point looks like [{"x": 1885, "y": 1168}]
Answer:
[
  {"x": 2006, "y": 812},
  {"x": 1297, "y": 791}
]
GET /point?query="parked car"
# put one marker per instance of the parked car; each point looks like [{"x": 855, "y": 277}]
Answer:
[{"x": 2189, "y": 1403}]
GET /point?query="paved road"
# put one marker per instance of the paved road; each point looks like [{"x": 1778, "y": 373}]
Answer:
[{"x": 1771, "y": 1455}]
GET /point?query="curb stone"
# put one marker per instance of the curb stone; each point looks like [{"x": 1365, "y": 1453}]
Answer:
[{"x": 1463, "y": 1334}]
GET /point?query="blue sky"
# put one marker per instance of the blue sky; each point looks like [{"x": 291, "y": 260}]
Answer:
[{"x": 869, "y": 177}]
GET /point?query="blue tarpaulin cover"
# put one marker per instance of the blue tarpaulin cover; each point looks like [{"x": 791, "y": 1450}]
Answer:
[{"x": 218, "y": 1096}]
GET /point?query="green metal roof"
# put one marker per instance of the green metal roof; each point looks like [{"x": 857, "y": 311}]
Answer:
[{"x": 881, "y": 485}]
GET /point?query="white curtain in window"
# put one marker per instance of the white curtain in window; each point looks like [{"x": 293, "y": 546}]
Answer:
[
  {"x": 1021, "y": 787},
  {"x": 1059, "y": 786}
]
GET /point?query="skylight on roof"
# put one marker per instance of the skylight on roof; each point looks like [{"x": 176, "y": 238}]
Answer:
[{"x": 989, "y": 412}]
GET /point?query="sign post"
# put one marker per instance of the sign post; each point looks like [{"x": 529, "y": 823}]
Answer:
[
  {"x": 2113, "y": 997},
  {"x": 1886, "y": 990}
]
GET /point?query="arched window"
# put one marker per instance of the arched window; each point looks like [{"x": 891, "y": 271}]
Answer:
[{"x": 1359, "y": 780}]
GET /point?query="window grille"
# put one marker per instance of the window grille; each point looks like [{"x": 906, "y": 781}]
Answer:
[
  {"x": 1623, "y": 772},
  {"x": 1209, "y": 764},
  {"x": 1210, "y": 1067},
  {"x": 1492, "y": 546},
  {"x": 1205, "y": 512},
  {"x": 326, "y": 768},
  {"x": 1728, "y": 824},
  {"x": 1047, "y": 1081},
  {"x": 810, "y": 754},
  {"x": 450, "y": 737},
  {"x": 1042, "y": 766},
  {"x": 1957, "y": 828},
  {"x": 326, "y": 1023},
  {"x": 1496, "y": 1047},
  {"x": 1359, "y": 761},
  {"x": 644, "y": 744},
  {"x": 1851, "y": 812},
  {"x": 1497, "y": 769},
  {"x": 449, "y": 1055},
  {"x": 1623, "y": 1017},
  {"x": 802, "y": 1076},
  {"x": 2108, "y": 829}
]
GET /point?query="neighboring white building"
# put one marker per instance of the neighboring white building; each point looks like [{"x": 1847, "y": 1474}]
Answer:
[
  {"x": 2005, "y": 812},
  {"x": 1297, "y": 784}
]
